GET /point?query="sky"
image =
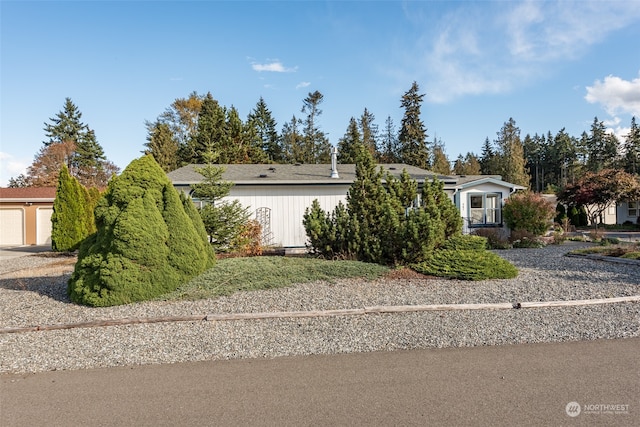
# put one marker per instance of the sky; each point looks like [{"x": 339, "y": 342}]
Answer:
[{"x": 548, "y": 65}]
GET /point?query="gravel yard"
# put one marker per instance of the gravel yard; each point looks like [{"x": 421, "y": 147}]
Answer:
[{"x": 545, "y": 275}]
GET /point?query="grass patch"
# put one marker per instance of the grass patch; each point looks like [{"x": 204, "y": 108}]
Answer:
[
  {"x": 467, "y": 265},
  {"x": 621, "y": 250},
  {"x": 245, "y": 274}
]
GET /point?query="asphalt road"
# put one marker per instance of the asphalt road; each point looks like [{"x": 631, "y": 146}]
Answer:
[{"x": 503, "y": 385}]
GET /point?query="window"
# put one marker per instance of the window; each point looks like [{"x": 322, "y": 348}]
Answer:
[
  {"x": 633, "y": 209},
  {"x": 485, "y": 209}
]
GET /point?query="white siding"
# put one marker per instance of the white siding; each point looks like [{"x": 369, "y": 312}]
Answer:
[
  {"x": 43, "y": 226},
  {"x": 287, "y": 204},
  {"x": 12, "y": 227}
]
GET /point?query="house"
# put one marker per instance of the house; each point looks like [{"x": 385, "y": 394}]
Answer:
[
  {"x": 277, "y": 195},
  {"x": 628, "y": 212},
  {"x": 25, "y": 215}
]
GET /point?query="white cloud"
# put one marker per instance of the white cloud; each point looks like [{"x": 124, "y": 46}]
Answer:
[
  {"x": 274, "y": 66},
  {"x": 616, "y": 95},
  {"x": 11, "y": 167},
  {"x": 302, "y": 85},
  {"x": 496, "y": 47}
]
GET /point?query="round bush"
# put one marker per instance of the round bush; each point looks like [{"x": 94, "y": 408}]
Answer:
[{"x": 528, "y": 211}]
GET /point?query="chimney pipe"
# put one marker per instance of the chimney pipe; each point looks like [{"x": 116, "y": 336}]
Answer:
[{"x": 334, "y": 163}]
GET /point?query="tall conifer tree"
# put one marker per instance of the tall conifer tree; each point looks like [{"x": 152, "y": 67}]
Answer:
[{"x": 412, "y": 139}]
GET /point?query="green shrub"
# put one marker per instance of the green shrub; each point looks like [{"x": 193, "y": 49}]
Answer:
[
  {"x": 528, "y": 211},
  {"x": 496, "y": 237},
  {"x": 72, "y": 220},
  {"x": 631, "y": 255},
  {"x": 466, "y": 242},
  {"x": 466, "y": 265},
  {"x": 561, "y": 213},
  {"x": 383, "y": 222},
  {"x": 525, "y": 239},
  {"x": 145, "y": 244}
]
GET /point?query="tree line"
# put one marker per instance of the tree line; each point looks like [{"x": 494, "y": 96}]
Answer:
[{"x": 198, "y": 129}]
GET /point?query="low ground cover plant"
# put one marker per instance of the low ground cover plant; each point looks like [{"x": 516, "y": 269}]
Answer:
[
  {"x": 622, "y": 250},
  {"x": 269, "y": 272},
  {"x": 466, "y": 265}
]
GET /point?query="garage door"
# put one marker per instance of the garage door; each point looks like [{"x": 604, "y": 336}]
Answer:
[
  {"x": 11, "y": 227},
  {"x": 44, "y": 226}
]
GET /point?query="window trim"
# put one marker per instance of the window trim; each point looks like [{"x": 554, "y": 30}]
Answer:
[{"x": 486, "y": 211}]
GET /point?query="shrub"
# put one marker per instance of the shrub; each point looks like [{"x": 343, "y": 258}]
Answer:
[
  {"x": 525, "y": 239},
  {"x": 466, "y": 242},
  {"x": 561, "y": 213},
  {"x": 466, "y": 265},
  {"x": 528, "y": 211},
  {"x": 496, "y": 238},
  {"x": 146, "y": 243},
  {"x": 72, "y": 220},
  {"x": 383, "y": 222}
]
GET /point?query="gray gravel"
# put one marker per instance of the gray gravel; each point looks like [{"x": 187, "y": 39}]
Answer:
[{"x": 545, "y": 275}]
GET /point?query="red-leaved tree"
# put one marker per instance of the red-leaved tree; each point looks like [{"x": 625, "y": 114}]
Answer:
[{"x": 598, "y": 190}]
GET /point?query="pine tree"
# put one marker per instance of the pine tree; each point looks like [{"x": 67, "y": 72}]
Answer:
[
  {"x": 631, "y": 159},
  {"x": 412, "y": 139},
  {"x": 316, "y": 147},
  {"x": 162, "y": 145},
  {"x": 264, "y": 125},
  {"x": 467, "y": 165},
  {"x": 347, "y": 145}
]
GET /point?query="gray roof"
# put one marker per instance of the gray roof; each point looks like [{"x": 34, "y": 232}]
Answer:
[{"x": 289, "y": 174}]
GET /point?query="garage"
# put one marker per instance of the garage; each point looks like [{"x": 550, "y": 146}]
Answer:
[
  {"x": 43, "y": 226},
  {"x": 11, "y": 227}
]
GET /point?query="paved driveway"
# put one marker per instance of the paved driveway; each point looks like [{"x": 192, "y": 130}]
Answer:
[{"x": 8, "y": 252}]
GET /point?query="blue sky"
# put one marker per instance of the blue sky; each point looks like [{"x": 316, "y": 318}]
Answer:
[{"x": 547, "y": 64}]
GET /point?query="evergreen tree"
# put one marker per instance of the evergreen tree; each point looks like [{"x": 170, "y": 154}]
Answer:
[
  {"x": 488, "y": 159},
  {"x": 292, "y": 141},
  {"x": 369, "y": 131},
  {"x": 65, "y": 126},
  {"x": 88, "y": 162},
  {"x": 316, "y": 147},
  {"x": 211, "y": 132},
  {"x": 440, "y": 163},
  {"x": 223, "y": 220},
  {"x": 145, "y": 244},
  {"x": 512, "y": 161},
  {"x": 347, "y": 145},
  {"x": 264, "y": 125},
  {"x": 564, "y": 159},
  {"x": 467, "y": 165},
  {"x": 602, "y": 148},
  {"x": 72, "y": 219},
  {"x": 162, "y": 145},
  {"x": 412, "y": 139},
  {"x": 631, "y": 159},
  {"x": 390, "y": 148}
]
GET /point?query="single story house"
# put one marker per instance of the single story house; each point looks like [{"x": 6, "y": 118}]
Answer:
[
  {"x": 278, "y": 194},
  {"x": 25, "y": 215}
]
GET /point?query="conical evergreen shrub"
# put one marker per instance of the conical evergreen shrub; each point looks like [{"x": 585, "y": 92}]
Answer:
[
  {"x": 146, "y": 242},
  {"x": 72, "y": 219}
]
